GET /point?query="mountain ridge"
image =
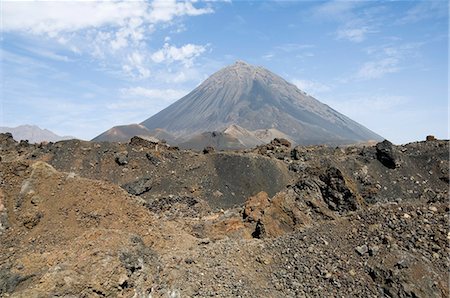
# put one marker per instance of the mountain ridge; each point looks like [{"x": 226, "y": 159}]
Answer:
[
  {"x": 33, "y": 133},
  {"x": 256, "y": 99}
]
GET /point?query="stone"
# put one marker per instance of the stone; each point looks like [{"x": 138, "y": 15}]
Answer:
[
  {"x": 121, "y": 158},
  {"x": 208, "y": 150},
  {"x": 280, "y": 142},
  {"x": 388, "y": 155},
  {"x": 153, "y": 159},
  {"x": 373, "y": 250},
  {"x": 296, "y": 153},
  {"x": 362, "y": 250},
  {"x": 139, "y": 186},
  {"x": 337, "y": 191},
  {"x": 433, "y": 208}
]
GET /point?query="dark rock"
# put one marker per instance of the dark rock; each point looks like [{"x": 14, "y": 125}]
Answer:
[
  {"x": 165, "y": 204},
  {"x": 9, "y": 281},
  {"x": 279, "y": 142},
  {"x": 339, "y": 194},
  {"x": 208, "y": 150},
  {"x": 138, "y": 141},
  {"x": 430, "y": 138},
  {"x": 259, "y": 231},
  {"x": 121, "y": 158},
  {"x": 139, "y": 186},
  {"x": 6, "y": 136},
  {"x": 297, "y": 167},
  {"x": 153, "y": 159},
  {"x": 388, "y": 155},
  {"x": 137, "y": 259},
  {"x": 296, "y": 153}
]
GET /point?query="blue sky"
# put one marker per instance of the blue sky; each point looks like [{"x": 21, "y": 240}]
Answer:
[{"x": 81, "y": 67}]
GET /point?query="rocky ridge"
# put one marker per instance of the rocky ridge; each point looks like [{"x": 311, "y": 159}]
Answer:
[
  {"x": 255, "y": 99},
  {"x": 144, "y": 219}
]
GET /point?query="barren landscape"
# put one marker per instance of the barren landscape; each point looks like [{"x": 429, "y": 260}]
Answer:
[
  {"x": 143, "y": 219},
  {"x": 224, "y": 148}
]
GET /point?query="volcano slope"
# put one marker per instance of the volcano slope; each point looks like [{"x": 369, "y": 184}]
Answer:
[{"x": 82, "y": 219}]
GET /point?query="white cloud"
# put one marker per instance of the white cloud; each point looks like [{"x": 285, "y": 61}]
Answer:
[
  {"x": 377, "y": 69},
  {"x": 268, "y": 56},
  {"x": 335, "y": 9},
  {"x": 355, "y": 20},
  {"x": 424, "y": 10},
  {"x": 386, "y": 59},
  {"x": 353, "y": 34},
  {"x": 154, "y": 94},
  {"x": 183, "y": 54},
  {"x": 365, "y": 105},
  {"x": 49, "y": 54},
  {"x": 105, "y": 30},
  {"x": 166, "y": 10},
  {"x": 52, "y": 18},
  {"x": 145, "y": 99},
  {"x": 135, "y": 65},
  {"x": 311, "y": 87}
]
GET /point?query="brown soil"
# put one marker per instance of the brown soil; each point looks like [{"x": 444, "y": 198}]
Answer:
[{"x": 81, "y": 219}]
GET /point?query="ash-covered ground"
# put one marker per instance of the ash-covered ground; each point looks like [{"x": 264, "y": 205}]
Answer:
[{"x": 142, "y": 219}]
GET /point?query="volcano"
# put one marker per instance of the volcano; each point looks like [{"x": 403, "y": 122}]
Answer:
[{"x": 256, "y": 100}]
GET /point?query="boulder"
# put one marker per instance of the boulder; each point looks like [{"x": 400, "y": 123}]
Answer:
[
  {"x": 388, "y": 155},
  {"x": 139, "y": 186},
  {"x": 121, "y": 158}
]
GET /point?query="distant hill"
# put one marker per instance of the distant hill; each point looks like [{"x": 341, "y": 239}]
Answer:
[
  {"x": 233, "y": 137},
  {"x": 257, "y": 101},
  {"x": 124, "y": 133},
  {"x": 33, "y": 134}
]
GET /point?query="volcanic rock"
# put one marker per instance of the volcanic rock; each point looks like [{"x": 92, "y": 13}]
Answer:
[{"x": 243, "y": 98}]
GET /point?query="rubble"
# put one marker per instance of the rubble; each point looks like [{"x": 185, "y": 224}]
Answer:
[{"x": 275, "y": 221}]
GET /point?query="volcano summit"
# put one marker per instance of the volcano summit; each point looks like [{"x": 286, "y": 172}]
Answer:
[{"x": 255, "y": 99}]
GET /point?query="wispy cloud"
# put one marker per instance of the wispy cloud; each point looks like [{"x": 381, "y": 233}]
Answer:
[
  {"x": 167, "y": 95},
  {"x": 135, "y": 65},
  {"x": 311, "y": 87},
  {"x": 183, "y": 54},
  {"x": 365, "y": 104},
  {"x": 377, "y": 69},
  {"x": 293, "y": 47},
  {"x": 337, "y": 10},
  {"x": 355, "y": 21},
  {"x": 424, "y": 10},
  {"x": 166, "y": 10},
  {"x": 299, "y": 50},
  {"x": 386, "y": 59},
  {"x": 49, "y": 54},
  {"x": 353, "y": 34}
]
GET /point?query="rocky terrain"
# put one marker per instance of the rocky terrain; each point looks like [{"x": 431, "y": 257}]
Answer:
[{"x": 144, "y": 219}]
